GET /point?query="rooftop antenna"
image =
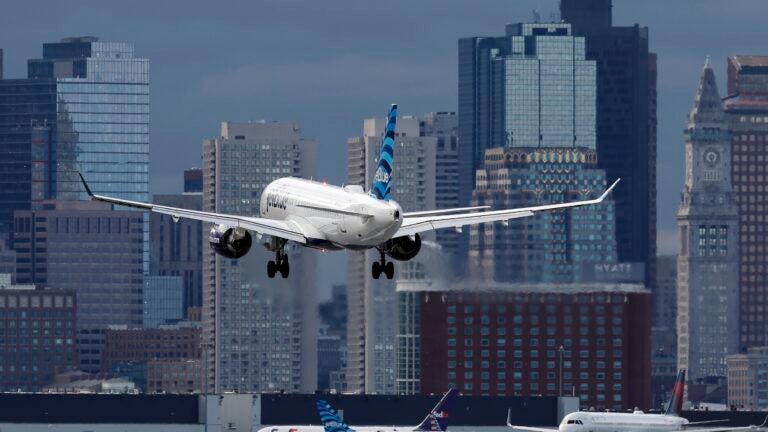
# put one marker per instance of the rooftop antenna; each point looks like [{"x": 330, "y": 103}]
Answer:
[
  {"x": 536, "y": 16},
  {"x": 552, "y": 17}
]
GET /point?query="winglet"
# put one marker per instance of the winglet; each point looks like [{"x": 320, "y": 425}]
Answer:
[
  {"x": 607, "y": 191},
  {"x": 765, "y": 423},
  {"x": 509, "y": 417},
  {"x": 87, "y": 189}
]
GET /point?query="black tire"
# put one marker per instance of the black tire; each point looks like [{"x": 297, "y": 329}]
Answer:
[
  {"x": 376, "y": 269},
  {"x": 285, "y": 268},
  {"x": 271, "y": 269},
  {"x": 389, "y": 269}
]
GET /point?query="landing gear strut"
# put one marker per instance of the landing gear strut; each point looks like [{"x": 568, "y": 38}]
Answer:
[
  {"x": 382, "y": 266},
  {"x": 280, "y": 264}
]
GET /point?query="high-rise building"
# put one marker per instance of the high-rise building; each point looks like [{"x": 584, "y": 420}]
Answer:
[
  {"x": 163, "y": 300},
  {"x": 549, "y": 156},
  {"x": 664, "y": 312},
  {"x": 85, "y": 247},
  {"x": 707, "y": 268},
  {"x": 748, "y": 380},
  {"x": 84, "y": 107},
  {"x": 586, "y": 340},
  {"x": 193, "y": 180},
  {"x": 174, "y": 376},
  {"x": 746, "y": 109},
  {"x": 372, "y": 303},
  {"x": 177, "y": 246},
  {"x": 626, "y": 122},
  {"x": 41, "y": 338},
  {"x": 7, "y": 261},
  {"x": 259, "y": 334}
]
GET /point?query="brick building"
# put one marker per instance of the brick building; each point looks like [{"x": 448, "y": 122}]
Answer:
[
  {"x": 587, "y": 340},
  {"x": 174, "y": 376},
  {"x": 37, "y": 337},
  {"x": 124, "y": 345}
]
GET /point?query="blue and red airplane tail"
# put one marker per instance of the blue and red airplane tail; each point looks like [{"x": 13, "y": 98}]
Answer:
[
  {"x": 678, "y": 392},
  {"x": 330, "y": 418},
  {"x": 437, "y": 419}
]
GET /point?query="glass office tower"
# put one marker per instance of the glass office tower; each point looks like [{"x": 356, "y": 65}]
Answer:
[{"x": 102, "y": 120}]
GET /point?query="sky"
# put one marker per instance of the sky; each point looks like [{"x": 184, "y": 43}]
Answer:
[{"x": 331, "y": 64}]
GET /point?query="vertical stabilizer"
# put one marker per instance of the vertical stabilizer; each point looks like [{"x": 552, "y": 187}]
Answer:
[
  {"x": 382, "y": 179},
  {"x": 437, "y": 419},
  {"x": 676, "y": 403},
  {"x": 330, "y": 418}
]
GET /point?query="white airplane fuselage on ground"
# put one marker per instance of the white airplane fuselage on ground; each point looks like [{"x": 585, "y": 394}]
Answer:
[{"x": 331, "y": 217}]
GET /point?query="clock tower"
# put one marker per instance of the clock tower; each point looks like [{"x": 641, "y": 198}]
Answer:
[{"x": 708, "y": 265}]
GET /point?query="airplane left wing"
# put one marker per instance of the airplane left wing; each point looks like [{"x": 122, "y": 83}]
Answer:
[
  {"x": 417, "y": 224},
  {"x": 269, "y": 227}
]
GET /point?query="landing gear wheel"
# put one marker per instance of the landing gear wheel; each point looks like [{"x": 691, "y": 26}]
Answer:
[
  {"x": 389, "y": 270},
  {"x": 285, "y": 268},
  {"x": 271, "y": 269},
  {"x": 376, "y": 269}
]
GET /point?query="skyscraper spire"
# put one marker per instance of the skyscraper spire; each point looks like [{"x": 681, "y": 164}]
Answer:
[{"x": 707, "y": 108}]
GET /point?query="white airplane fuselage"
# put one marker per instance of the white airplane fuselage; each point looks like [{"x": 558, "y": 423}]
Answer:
[
  {"x": 310, "y": 428},
  {"x": 621, "y": 422},
  {"x": 331, "y": 217}
]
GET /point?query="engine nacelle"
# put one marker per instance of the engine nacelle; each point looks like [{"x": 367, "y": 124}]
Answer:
[
  {"x": 230, "y": 242},
  {"x": 403, "y": 248}
]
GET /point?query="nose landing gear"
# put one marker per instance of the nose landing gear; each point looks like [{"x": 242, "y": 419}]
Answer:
[{"x": 382, "y": 266}]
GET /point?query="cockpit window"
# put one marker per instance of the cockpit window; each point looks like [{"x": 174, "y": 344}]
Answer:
[{"x": 571, "y": 422}]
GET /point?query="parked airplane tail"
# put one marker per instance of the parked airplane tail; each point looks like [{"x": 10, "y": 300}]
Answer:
[
  {"x": 437, "y": 419},
  {"x": 676, "y": 403},
  {"x": 330, "y": 418},
  {"x": 383, "y": 177}
]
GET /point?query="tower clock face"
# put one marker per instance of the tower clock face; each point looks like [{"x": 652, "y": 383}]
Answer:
[{"x": 711, "y": 156}]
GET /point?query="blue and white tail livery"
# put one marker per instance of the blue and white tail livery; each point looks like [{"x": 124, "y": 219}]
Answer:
[
  {"x": 330, "y": 418},
  {"x": 382, "y": 179}
]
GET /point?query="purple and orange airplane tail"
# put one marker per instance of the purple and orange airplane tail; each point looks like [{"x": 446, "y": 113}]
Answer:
[{"x": 676, "y": 403}]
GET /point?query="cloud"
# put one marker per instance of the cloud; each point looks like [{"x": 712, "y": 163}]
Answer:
[{"x": 343, "y": 77}]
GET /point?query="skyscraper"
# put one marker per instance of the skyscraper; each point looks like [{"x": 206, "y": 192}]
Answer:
[
  {"x": 626, "y": 122},
  {"x": 177, "y": 246},
  {"x": 87, "y": 248},
  {"x": 549, "y": 156},
  {"x": 708, "y": 271},
  {"x": 259, "y": 334},
  {"x": 746, "y": 109},
  {"x": 84, "y": 107},
  {"x": 372, "y": 303}
]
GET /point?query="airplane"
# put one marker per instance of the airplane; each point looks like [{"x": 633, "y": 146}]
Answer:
[
  {"x": 436, "y": 420},
  {"x": 638, "y": 421},
  {"x": 321, "y": 216}
]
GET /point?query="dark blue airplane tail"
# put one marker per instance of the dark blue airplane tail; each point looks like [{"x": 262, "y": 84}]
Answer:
[{"x": 437, "y": 419}]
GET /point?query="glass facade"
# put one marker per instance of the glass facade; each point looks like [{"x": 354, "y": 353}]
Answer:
[
  {"x": 102, "y": 120},
  {"x": 163, "y": 300},
  {"x": 549, "y": 88}
]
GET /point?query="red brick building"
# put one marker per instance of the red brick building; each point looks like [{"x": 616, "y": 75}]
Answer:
[
  {"x": 123, "y": 345},
  {"x": 174, "y": 376},
  {"x": 590, "y": 341}
]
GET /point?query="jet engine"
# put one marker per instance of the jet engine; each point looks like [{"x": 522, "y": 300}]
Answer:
[
  {"x": 403, "y": 248},
  {"x": 230, "y": 242}
]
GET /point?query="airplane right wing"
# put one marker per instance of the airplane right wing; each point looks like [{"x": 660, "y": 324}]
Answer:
[
  {"x": 692, "y": 427},
  {"x": 269, "y": 227},
  {"x": 413, "y": 224},
  {"x": 526, "y": 428}
]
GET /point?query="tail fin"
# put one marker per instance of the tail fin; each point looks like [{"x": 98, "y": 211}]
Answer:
[
  {"x": 437, "y": 419},
  {"x": 330, "y": 418},
  {"x": 676, "y": 403},
  {"x": 383, "y": 176}
]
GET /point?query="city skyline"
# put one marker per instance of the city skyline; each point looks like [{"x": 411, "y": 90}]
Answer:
[{"x": 194, "y": 89}]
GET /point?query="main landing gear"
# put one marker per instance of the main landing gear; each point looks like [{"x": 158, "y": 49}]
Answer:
[
  {"x": 382, "y": 266},
  {"x": 280, "y": 264}
]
